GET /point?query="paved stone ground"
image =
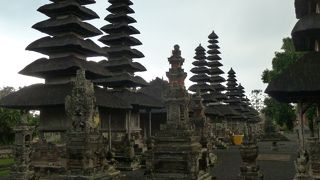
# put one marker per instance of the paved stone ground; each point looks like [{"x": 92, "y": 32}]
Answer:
[{"x": 275, "y": 165}]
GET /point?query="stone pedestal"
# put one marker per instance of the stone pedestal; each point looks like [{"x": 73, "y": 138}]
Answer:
[
  {"x": 249, "y": 170},
  {"x": 177, "y": 155},
  {"x": 302, "y": 166}
]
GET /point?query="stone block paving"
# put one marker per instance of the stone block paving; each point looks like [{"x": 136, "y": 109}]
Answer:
[{"x": 275, "y": 165}]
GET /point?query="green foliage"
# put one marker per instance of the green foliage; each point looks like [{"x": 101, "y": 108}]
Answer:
[
  {"x": 256, "y": 99},
  {"x": 281, "y": 113},
  {"x": 7, "y": 161},
  {"x": 5, "y": 166},
  {"x": 281, "y": 60},
  {"x": 311, "y": 114},
  {"x": 9, "y": 119}
]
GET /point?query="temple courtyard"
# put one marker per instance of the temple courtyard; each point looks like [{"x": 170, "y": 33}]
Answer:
[{"x": 275, "y": 165}]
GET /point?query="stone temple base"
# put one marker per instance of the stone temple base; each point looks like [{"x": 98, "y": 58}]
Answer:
[
  {"x": 126, "y": 164},
  {"x": 302, "y": 177},
  {"x": 21, "y": 175},
  {"x": 177, "y": 155}
]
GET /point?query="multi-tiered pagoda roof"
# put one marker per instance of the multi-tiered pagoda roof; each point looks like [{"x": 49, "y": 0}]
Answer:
[
  {"x": 214, "y": 65},
  {"x": 201, "y": 78},
  {"x": 67, "y": 47},
  {"x": 300, "y": 82},
  {"x": 233, "y": 96},
  {"x": 119, "y": 41}
]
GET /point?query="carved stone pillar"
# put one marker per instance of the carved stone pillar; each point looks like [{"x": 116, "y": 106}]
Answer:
[{"x": 22, "y": 150}]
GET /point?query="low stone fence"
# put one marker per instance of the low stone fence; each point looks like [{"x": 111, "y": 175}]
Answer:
[{"x": 5, "y": 152}]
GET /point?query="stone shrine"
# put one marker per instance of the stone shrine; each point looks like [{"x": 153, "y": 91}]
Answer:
[{"x": 177, "y": 152}]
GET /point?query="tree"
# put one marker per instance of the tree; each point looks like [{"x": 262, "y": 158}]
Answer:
[
  {"x": 10, "y": 117},
  {"x": 281, "y": 113},
  {"x": 257, "y": 99}
]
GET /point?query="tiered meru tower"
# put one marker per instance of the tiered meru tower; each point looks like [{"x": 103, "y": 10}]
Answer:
[
  {"x": 234, "y": 102},
  {"x": 214, "y": 71},
  {"x": 177, "y": 150},
  {"x": 119, "y": 41},
  {"x": 201, "y": 79}
]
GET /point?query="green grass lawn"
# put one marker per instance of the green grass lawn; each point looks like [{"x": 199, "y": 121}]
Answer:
[
  {"x": 4, "y": 162},
  {"x": 4, "y": 173}
]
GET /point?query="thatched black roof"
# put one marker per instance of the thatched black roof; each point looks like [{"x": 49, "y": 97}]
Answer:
[
  {"x": 68, "y": 7},
  {"x": 222, "y": 110},
  {"x": 118, "y": 38},
  {"x": 200, "y": 78},
  {"x": 114, "y": 8},
  {"x": 82, "y": 2},
  {"x": 122, "y": 51},
  {"x": 305, "y": 32},
  {"x": 39, "y": 96},
  {"x": 122, "y": 80},
  {"x": 69, "y": 24},
  {"x": 122, "y": 27},
  {"x": 203, "y": 87},
  {"x": 65, "y": 44},
  {"x": 139, "y": 99},
  {"x": 305, "y": 7},
  {"x": 67, "y": 66},
  {"x": 115, "y": 18},
  {"x": 121, "y": 64},
  {"x": 299, "y": 82}
]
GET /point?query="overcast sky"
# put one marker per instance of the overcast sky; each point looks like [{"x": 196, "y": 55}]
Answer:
[{"x": 249, "y": 31}]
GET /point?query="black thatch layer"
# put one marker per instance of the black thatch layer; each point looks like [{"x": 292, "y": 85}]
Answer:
[
  {"x": 215, "y": 71},
  {"x": 300, "y": 82},
  {"x": 217, "y": 79},
  {"x": 201, "y": 86},
  {"x": 70, "y": 24},
  {"x": 200, "y": 78},
  {"x": 306, "y": 32},
  {"x": 198, "y": 70},
  {"x": 68, "y": 66},
  {"x": 122, "y": 80},
  {"x": 120, "y": 27},
  {"x": 127, "y": 2},
  {"x": 65, "y": 45},
  {"x": 82, "y": 2},
  {"x": 117, "y": 65},
  {"x": 120, "y": 18},
  {"x": 200, "y": 63},
  {"x": 122, "y": 52},
  {"x": 118, "y": 39},
  {"x": 305, "y": 7},
  {"x": 122, "y": 7},
  {"x": 138, "y": 99},
  {"x": 67, "y": 8},
  {"x": 38, "y": 96}
]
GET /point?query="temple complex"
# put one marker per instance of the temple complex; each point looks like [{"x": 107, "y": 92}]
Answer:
[{"x": 99, "y": 120}]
